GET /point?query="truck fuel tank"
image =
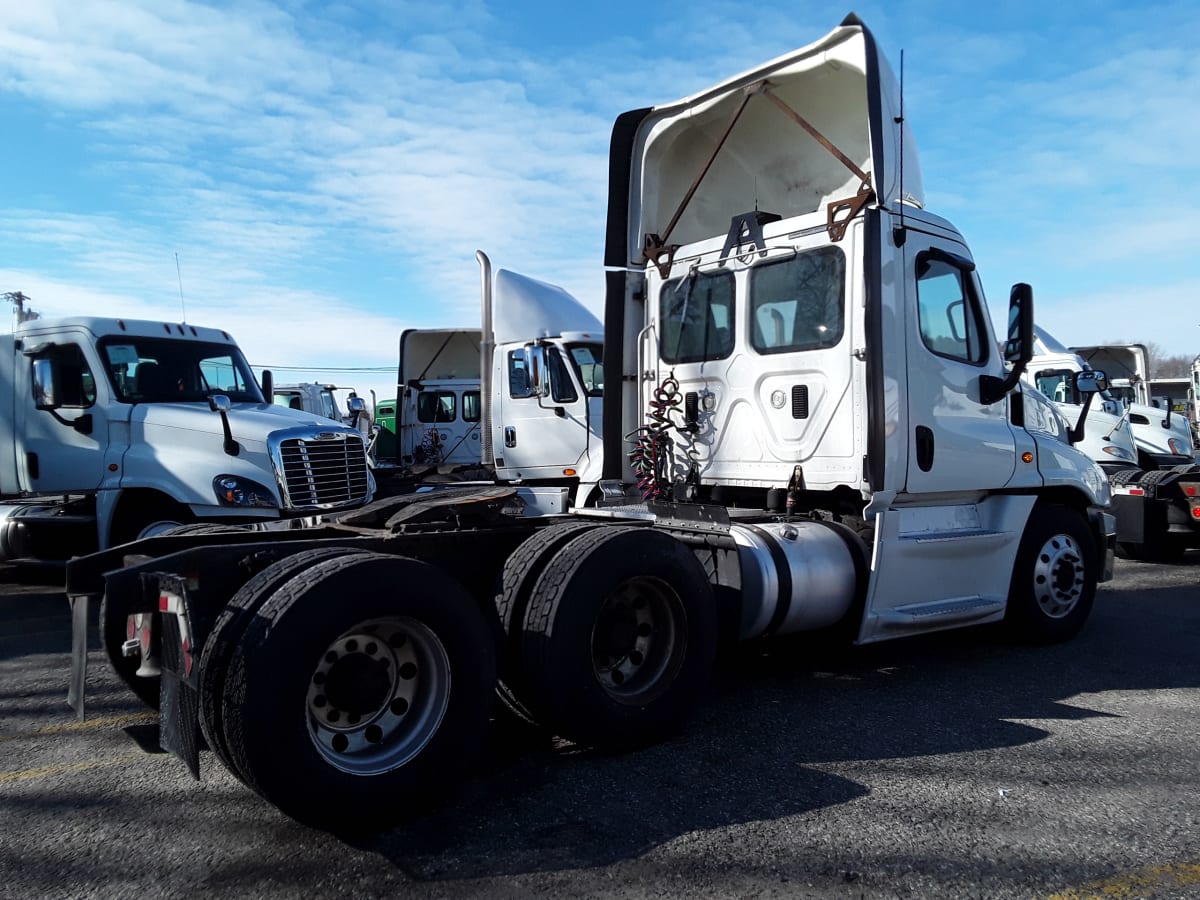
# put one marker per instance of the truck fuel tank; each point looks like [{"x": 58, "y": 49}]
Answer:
[{"x": 796, "y": 576}]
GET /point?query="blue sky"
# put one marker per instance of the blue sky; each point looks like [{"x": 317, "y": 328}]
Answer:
[{"x": 324, "y": 172}]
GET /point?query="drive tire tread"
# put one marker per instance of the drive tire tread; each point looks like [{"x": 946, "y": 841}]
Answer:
[
  {"x": 227, "y": 633},
  {"x": 563, "y": 689},
  {"x": 267, "y": 730},
  {"x": 517, "y": 580}
]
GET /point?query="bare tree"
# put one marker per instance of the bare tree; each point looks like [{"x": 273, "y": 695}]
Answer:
[{"x": 1177, "y": 366}]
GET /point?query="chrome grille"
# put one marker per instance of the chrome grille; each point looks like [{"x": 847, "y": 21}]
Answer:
[{"x": 324, "y": 472}]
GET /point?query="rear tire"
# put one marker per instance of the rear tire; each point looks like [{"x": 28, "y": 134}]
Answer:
[
  {"x": 1054, "y": 579},
  {"x": 362, "y": 687},
  {"x": 227, "y": 633},
  {"x": 148, "y": 517},
  {"x": 520, "y": 574},
  {"x": 620, "y": 637}
]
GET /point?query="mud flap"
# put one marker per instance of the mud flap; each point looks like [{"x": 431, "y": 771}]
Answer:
[
  {"x": 77, "y": 687},
  {"x": 1104, "y": 529},
  {"x": 1140, "y": 519},
  {"x": 179, "y": 700}
]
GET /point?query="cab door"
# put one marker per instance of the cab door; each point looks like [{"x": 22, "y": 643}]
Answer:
[
  {"x": 540, "y": 436},
  {"x": 956, "y": 442},
  {"x": 63, "y": 430}
]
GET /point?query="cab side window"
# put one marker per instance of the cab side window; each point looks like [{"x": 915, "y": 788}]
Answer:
[
  {"x": 64, "y": 368},
  {"x": 949, "y": 311},
  {"x": 436, "y": 406},
  {"x": 518, "y": 377},
  {"x": 562, "y": 390},
  {"x": 470, "y": 406}
]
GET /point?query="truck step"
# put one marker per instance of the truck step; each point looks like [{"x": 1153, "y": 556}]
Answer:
[
  {"x": 940, "y": 613},
  {"x": 979, "y": 535}
]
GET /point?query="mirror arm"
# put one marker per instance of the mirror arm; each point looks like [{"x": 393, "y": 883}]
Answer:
[
  {"x": 1076, "y": 434},
  {"x": 230, "y": 446},
  {"x": 993, "y": 389}
]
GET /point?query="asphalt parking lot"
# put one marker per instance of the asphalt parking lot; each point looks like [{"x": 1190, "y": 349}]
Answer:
[{"x": 957, "y": 765}]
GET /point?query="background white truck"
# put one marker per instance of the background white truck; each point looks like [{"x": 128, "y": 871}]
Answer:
[
  {"x": 1163, "y": 435},
  {"x": 807, "y": 426},
  {"x": 322, "y": 400},
  {"x": 113, "y": 429},
  {"x": 1194, "y": 395},
  {"x": 1157, "y": 494},
  {"x": 466, "y": 404}
]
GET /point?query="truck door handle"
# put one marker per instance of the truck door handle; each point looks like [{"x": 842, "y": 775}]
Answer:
[
  {"x": 510, "y": 436},
  {"x": 924, "y": 448}
]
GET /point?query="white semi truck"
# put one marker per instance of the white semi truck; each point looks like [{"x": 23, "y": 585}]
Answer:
[
  {"x": 466, "y": 402},
  {"x": 1162, "y": 432},
  {"x": 1194, "y": 396},
  {"x": 115, "y": 429},
  {"x": 1157, "y": 492},
  {"x": 807, "y": 426}
]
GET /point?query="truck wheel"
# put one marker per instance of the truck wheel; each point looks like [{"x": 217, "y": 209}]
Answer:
[
  {"x": 114, "y": 631},
  {"x": 148, "y": 518},
  {"x": 521, "y": 572},
  {"x": 620, "y": 637},
  {"x": 1054, "y": 579},
  {"x": 228, "y": 631},
  {"x": 364, "y": 686}
]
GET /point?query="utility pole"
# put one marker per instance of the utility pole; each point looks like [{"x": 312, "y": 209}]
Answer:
[{"x": 19, "y": 300}]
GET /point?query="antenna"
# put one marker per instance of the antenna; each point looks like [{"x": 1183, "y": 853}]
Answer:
[
  {"x": 179, "y": 275},
  {"x": 900, "y": 122}
]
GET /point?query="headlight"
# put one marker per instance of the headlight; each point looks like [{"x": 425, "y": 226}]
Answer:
[
  {"x": 233, "y": 490},
  {"x": 1097, "y": 482},
  {"x": 1119, "y": 452}
]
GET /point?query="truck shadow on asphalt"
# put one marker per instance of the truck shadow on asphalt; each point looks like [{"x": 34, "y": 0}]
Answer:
[{"x": 780, "y": 715}]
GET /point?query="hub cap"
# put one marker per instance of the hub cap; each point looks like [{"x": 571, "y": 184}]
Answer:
[
  {"x": 1058, "y": 576},
  {"x": 638, "y": 641},
  {"x": 378, "y": 695}
]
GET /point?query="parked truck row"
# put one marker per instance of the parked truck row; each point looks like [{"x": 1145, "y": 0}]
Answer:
[
  {"x": 807, "y": 426},
  {"x": 1145, "y": 450}
]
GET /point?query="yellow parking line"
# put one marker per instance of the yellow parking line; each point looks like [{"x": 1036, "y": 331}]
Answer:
[
  {"x": 142, "y": 718},
  {"x": 46, "y": 771},
  {"x": 1135, "y": 884}
]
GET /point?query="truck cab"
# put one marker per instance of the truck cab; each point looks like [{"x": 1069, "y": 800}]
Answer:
[
  {"x": 121, "y": 428},
  {"x": 789, "y": 329},
  {"x": 547, "y": 382}
]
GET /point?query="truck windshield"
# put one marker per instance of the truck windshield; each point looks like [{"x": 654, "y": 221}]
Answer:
[
  {"x": 588, "y": 360},
  {"x": 163, "y": 370}
]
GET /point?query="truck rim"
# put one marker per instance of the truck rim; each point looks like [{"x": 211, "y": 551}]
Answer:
[
  {"x": 1059, "y": 575},
  {"x": 638, "y": 640},
  {"x": 378, "y": 695}
]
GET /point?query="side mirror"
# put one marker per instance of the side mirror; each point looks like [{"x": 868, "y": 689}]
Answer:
[
  {"x": 356, "y": 405},
  {"x": 1091, "y": 382},
  {"x": 268, "y": 384},
  {"x": 1018, "y": 345},
  {"x": 219, "y": 403},
  {"x": 535, "y": 365},
  {"x": 45, "y": 384}
]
